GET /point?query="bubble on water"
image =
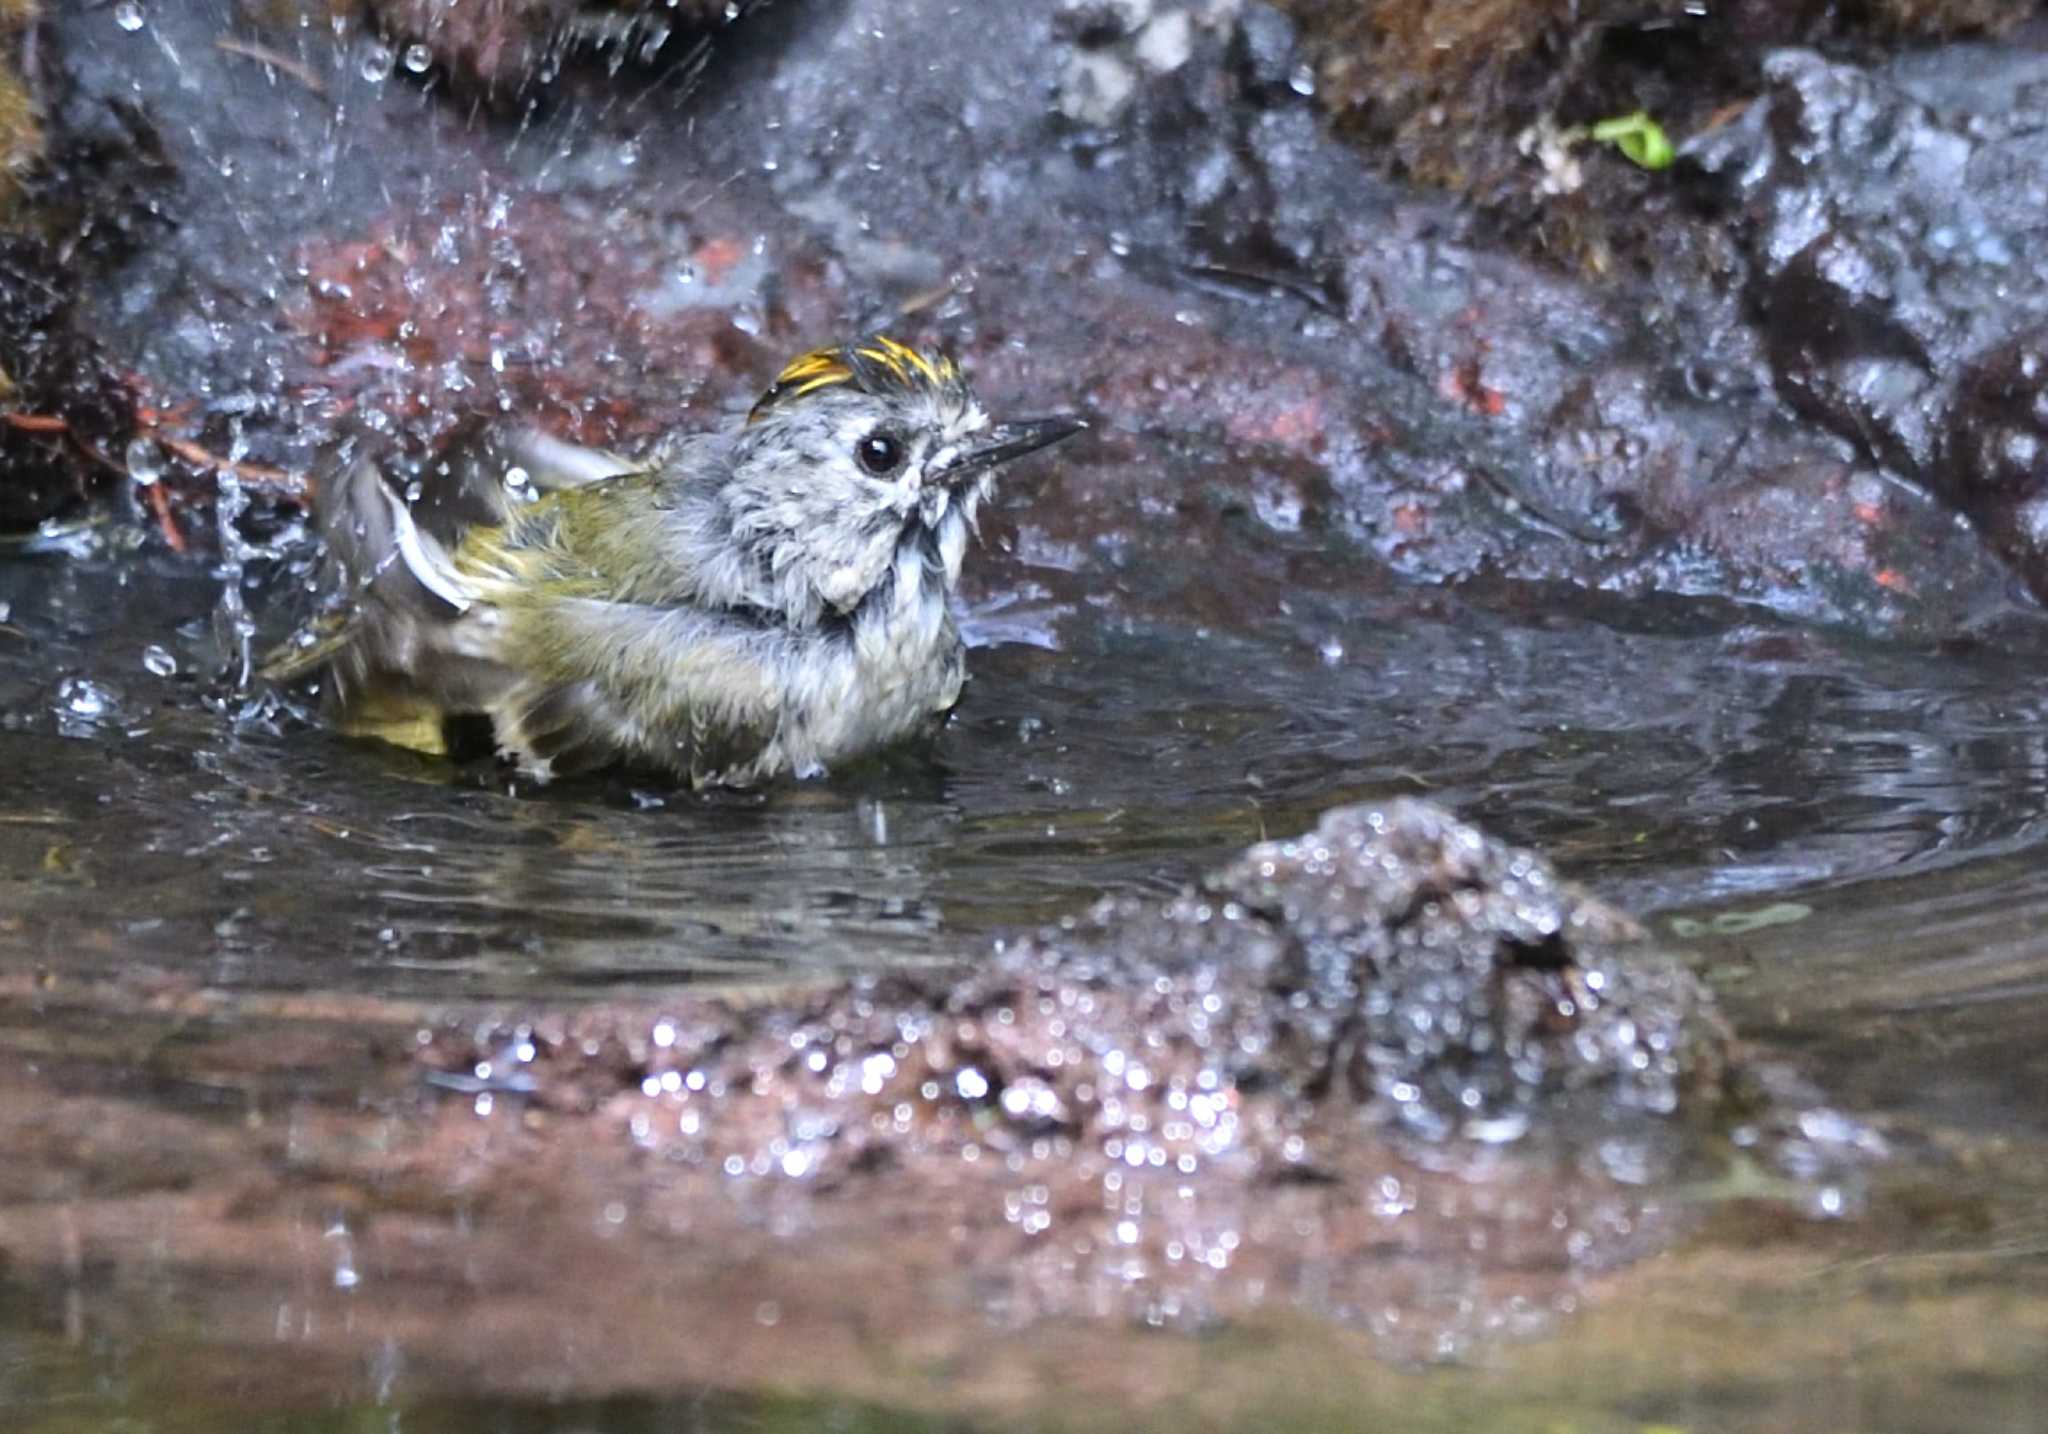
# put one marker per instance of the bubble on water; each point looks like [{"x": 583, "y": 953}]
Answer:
[
  {"x": 159, "y": 662},
  {"x": 145, "y": 461},
  {"x": 128, "y": 15},
  {"x": 377, "y": 61},
  {"x": 417, "y": 58},
  {"x": 519, "y": 485}
]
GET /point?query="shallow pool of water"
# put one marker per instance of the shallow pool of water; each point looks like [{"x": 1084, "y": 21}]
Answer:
[
  {"x": 1845, "y": 834},
  {"x": 158, "y": 816},
  {"x": 216, "y": 918}
]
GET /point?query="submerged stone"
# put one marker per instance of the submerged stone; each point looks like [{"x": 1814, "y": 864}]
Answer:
[
  {"x": 1394, "y": 964},
  {"x": 1263, "y": 1070}
]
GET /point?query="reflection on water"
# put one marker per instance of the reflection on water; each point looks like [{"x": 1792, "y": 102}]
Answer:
[
  {"x": 1849, "y": 833},
  {"x": 1694, "y": 769}
]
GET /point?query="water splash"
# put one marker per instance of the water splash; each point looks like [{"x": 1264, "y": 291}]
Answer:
[{"x": 233, "y": 627}]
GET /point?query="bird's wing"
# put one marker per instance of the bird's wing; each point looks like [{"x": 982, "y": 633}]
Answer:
[
  {"x": 552, "y": 463},
  {"x": 396, "y": 627},
  {"x": 483, "y": 472},
  {"x": 459, "y": 596}
]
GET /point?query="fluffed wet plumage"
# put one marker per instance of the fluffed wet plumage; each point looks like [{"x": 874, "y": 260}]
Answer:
[{"x": 738, "y": 606}]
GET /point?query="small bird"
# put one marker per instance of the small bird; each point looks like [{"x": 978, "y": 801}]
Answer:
[{"x": 739, "y": 606}]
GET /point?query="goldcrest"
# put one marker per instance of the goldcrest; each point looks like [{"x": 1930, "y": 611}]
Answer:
[{"x": 738, "y": 606}]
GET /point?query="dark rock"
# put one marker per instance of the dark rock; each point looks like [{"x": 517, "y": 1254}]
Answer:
[{"x": 1893, "y": 224}]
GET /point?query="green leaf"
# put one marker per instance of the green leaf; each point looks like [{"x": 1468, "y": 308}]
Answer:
[{"x": 1639, "y": 137}]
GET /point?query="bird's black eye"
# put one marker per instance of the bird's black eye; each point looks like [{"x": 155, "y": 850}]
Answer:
[{"x": 880, "y": 454}]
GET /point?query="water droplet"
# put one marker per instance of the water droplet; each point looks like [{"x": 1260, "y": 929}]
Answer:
[
  {"x": 128, "y": 15},
  {"x": 1302, "y": 81},
  {"x": 159, "y": 662},
  {"x": 417, "y": 58},
  {"x": 145, "y": 461},
  {"x": 377, "y": 61},
  {"x": 82, "y": 698}
]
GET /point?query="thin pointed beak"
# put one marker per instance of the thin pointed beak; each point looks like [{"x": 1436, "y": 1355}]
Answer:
[{"x": 1001, "y": 442}]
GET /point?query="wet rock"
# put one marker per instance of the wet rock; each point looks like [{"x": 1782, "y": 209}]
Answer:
[
  {"x": 1456, "y": 980},
  {"x": 1462, "y": 95},
  {"x": 612, "y": 340},
  {"x": 1892, "y": 222},
  {"x": 1463, "y": 411},
  {"x": 1394, "y": 964},
  {"x": 1285, "y": 352},
  {"x": 1394, "y": 975}
]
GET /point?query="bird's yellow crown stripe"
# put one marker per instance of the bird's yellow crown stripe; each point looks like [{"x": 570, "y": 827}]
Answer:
[{"x": 822, "y": 368}]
